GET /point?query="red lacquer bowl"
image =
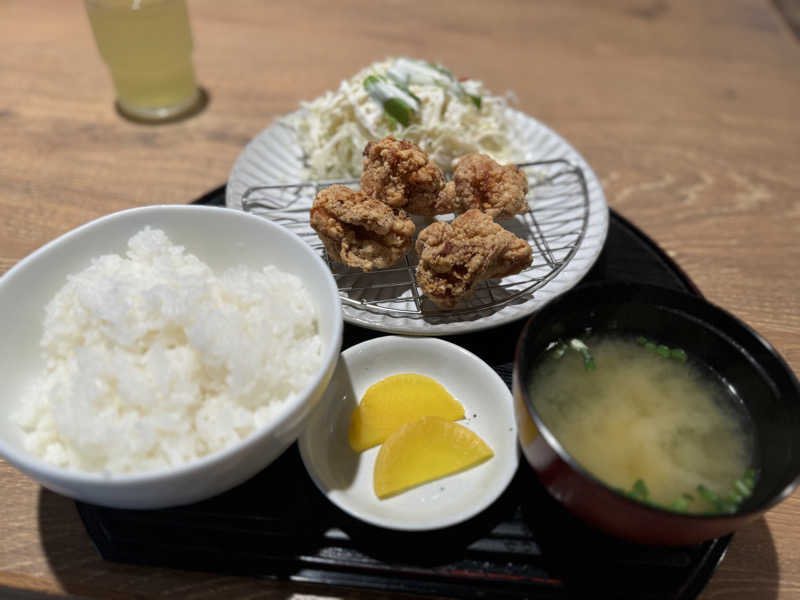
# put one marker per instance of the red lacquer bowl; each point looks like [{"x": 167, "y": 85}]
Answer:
[{"x": 742, "y": 358}]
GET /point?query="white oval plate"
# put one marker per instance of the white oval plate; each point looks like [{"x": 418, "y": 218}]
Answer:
[
  {"x": 274, "y": 157},
  {"x": 345, "y": 477}
]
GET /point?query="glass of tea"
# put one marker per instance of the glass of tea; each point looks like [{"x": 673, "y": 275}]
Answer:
[{"x": 147, "y": 45}]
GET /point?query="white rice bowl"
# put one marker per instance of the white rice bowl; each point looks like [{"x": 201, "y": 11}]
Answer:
[
  {"x": 153, "y": 360},
  {"x": 179, "y": 388}
]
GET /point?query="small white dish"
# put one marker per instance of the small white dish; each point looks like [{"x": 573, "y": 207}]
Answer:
[{"x": 345, "y": 476}]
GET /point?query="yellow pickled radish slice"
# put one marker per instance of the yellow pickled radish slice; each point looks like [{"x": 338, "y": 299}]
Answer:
[
  {"x": 395, "y": 401},
  {"x": 423, "y": 451}
]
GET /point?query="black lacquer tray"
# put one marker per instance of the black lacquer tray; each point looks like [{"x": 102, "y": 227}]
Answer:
[{"x": 279, "y": 526}]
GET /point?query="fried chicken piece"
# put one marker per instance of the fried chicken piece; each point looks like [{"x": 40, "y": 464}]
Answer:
[
  {"x": 400, "y": 174},
  {"x": 454, "y": 258},
  {"x": 360, "y": 231},
  {"x": 479, "y": 182}
]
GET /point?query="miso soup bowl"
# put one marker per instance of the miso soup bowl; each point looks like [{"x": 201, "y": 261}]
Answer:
[
  {"x": 708, "y": 334},
  {"x": 219, "y": 237}
]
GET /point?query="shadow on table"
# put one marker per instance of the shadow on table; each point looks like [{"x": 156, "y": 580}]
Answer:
[
  {"x": 82, "y": 572},
  {"x": 69, "y": 551},
  {"x": 734, "y": 582},
  {"x": 79, "y": 568}
]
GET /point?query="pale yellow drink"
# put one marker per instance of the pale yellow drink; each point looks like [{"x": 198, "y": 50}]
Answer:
[{"x": 147, "y": 45}]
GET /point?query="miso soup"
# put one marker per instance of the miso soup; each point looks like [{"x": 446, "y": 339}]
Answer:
[{"x": 645, "y": 420}]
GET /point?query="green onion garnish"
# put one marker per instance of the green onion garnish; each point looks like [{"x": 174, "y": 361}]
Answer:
[
  {"x": 680, "y": 505},
  {"x": 559, "y": 350},
  {"x": 588, "y": 359},
  {"x": 639, "y": 490},
  {"x": 662, "y": 349},
  {"x": 723, "y": 505},
  {"x": 405, "y": 72},
  {"x": 730, "y": 503},
  {"x": 744, "y": 485},
  {"x": 397, "y": 103},
  {"x": 678, "y": 354},
  {"x": 708, "y": 495},
  {"x": 398, "y": 110}
]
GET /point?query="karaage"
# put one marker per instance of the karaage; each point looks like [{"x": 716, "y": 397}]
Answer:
[
  {"x": 479, "y": 182},
  {"x": 360, "y": 231},
  {"x": 400, "y": 174},
  {"x": 454, "y": 258}
]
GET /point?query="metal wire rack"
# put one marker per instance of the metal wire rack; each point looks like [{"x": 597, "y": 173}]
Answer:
[{"x": 554, "y": 227}]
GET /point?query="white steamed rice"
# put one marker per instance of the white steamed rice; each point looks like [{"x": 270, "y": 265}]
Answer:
[{"x": 153, "y": 360}]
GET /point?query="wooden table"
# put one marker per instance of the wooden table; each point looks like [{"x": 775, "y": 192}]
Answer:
[{"x": 686, "y": 110}]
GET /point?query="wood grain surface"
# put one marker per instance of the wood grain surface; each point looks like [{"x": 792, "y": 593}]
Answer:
[{"x": 687, "y": 110}]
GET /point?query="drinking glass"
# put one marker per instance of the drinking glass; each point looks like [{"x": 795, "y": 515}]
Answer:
[{"x": 147, "y": 45}]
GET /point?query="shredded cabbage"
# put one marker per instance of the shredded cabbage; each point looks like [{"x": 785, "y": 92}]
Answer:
[{"x": 448, "y": 122}]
